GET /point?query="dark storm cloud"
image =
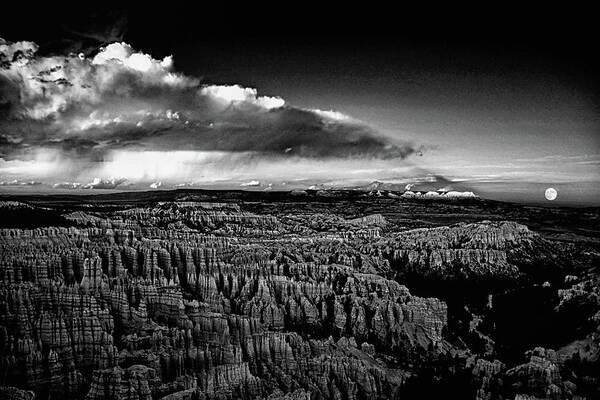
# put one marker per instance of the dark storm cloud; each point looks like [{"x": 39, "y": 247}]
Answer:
[
  {"x": 281, "y": 132},
  {"x": 120, "y": 98}
]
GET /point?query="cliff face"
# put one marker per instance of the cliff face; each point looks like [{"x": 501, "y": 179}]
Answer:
[
  {"x": 208, "y": 300},
  {"x": 482, "y": 252}
]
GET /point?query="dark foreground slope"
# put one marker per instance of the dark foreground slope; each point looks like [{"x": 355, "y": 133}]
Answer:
[{"x": 333, "y": 295}]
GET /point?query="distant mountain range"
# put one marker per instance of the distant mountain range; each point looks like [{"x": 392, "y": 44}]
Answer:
[{"x": 397, "y": 190}]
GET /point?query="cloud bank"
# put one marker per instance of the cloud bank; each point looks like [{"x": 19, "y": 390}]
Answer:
[{"x": 106, "y": 112}]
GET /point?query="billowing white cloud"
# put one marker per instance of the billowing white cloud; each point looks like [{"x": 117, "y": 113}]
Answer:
[
  {"x": 122, "y": 53},
  {"x": 14, "y": 52},
  {"x": 124, "y": 113},
  {"x": 67, "y": 185},
  {"x": 16, "y": 182},
  {"x": 235, "y": 94},
  {"x": 332, "y": 115},
  {"x": 50, "y": 87},
  {"x": 110, "y": 183},
  {"x": 251, "y": 183}
]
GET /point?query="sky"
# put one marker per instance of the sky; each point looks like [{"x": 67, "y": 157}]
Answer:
[{"x": 133, "y": 99}]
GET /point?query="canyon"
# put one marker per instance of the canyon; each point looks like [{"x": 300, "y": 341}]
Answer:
[{"x": 193, "y": 294}]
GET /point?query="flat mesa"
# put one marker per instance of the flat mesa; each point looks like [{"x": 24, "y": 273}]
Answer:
[{"x": 551, "y": 194}]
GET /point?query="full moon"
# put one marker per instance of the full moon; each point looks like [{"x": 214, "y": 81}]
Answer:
[{"x": 550, "y": 194}]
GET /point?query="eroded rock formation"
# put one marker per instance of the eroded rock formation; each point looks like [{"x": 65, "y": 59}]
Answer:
[{"x": 208, "y": 300}]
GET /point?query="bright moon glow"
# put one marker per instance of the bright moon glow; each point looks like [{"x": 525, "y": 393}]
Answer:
[{"x": 551, "y": 194}]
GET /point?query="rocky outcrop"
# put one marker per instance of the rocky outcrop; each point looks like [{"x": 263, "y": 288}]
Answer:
[
  {"x": 540, "y": 377},
  {"x": 217, "y": 300},
  {"x": 108, "y": 312},
  {"x": 482, "y": 251}
]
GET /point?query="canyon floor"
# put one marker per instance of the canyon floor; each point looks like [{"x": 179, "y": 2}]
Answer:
[{"x": 191, "y": 294}]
